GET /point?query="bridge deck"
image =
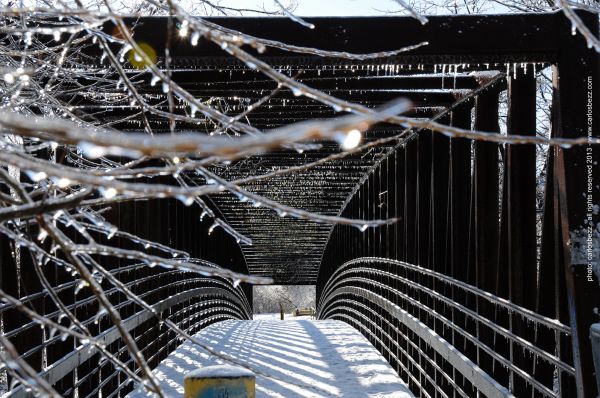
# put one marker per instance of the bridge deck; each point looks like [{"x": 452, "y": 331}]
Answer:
[{"x": 318, "y": 359}]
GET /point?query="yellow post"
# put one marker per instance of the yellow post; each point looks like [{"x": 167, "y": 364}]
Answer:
[{"x": 220, "y": 381}]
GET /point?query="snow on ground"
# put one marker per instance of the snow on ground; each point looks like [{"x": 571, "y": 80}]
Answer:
[
  {"x": 309, "y": 358},
  {"x": 276, "y": 317}
]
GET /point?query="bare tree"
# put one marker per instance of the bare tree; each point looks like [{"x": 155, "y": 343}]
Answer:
[{"x": 275, "y": 298}]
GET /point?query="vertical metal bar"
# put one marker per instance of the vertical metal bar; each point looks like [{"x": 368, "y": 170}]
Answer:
[
  {"x": 423, "y": 195},
  {"x": 578, "y": 87},
  {"x": 520, "y": 187},
  {"x": 391, "y": 206},
  {"x": 400, "y": 185},
  {"x": 410, "y": 202},
  {"x": 485, "y": 180},
  {"x": 382, "y": 204},
  {"x": 459, "y": 187},
  {"x": 440, "y": 150}
]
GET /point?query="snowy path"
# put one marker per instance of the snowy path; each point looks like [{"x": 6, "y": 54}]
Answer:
[{"x": 332, "y": 357}]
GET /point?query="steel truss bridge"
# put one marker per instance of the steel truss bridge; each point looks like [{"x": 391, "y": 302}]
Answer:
[{"x": 480, "y": 289}]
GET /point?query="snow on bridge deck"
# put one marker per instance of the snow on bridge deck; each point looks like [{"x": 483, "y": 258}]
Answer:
[{"x": 330, "y": 358}]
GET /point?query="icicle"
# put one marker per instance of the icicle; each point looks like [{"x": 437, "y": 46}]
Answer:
[
  {"x": 52, "y": 333},
  {"x": 212, "y": 227},
  {"x": 100, "y": 314},
  {"x": 194, "y": 38},
  {"x": 42, "y": 236},
  {"x": 296, "y": 91},
  {"x": 63, "y": 182},
  {"x": 155, "y": 79},
  {"x": 349, "y": 140},
  {"x": 165, "y": 88},
  {"x": 282, "y": 213},
  {"x": 184, "y": 29},
  {"x": 57, "y": 215},
  {"x": 573, "y": 29},
  {"x": 193, "y": 110},
  {"x": 137, "y": 57},
  {"x": 36, "y": 176},
  {"x": 91, "y": 151},
  {"x": 126, "y": 48},
  {"x": 112, "y": 231},
  {"x": 186, "y": 200},
  {"x": 108, "y": 193},
  {"x": 80, "y": 286}
]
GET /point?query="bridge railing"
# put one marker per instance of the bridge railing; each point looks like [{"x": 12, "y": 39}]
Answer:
[
  {"x": 484, "y": 285},
  {"x": 430, "y": 327},
  {"x": 104, "y": 365}
]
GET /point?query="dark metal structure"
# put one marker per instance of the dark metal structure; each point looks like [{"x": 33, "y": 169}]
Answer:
[
  {"x": 190, "y": 300},
  {"x": 474, "y": 292},
  {"x": 482, "y": 286}
]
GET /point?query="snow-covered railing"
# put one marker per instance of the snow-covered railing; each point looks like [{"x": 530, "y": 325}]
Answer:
[
  {"x": 428, "y": 326},
  {"x": 159, "y": 303},
  {"x": 486, "y": 284},
  {"x": 191, "y": 302}
]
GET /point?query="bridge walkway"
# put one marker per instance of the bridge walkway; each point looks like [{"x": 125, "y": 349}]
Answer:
[{"x": 308, "y": 358}]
